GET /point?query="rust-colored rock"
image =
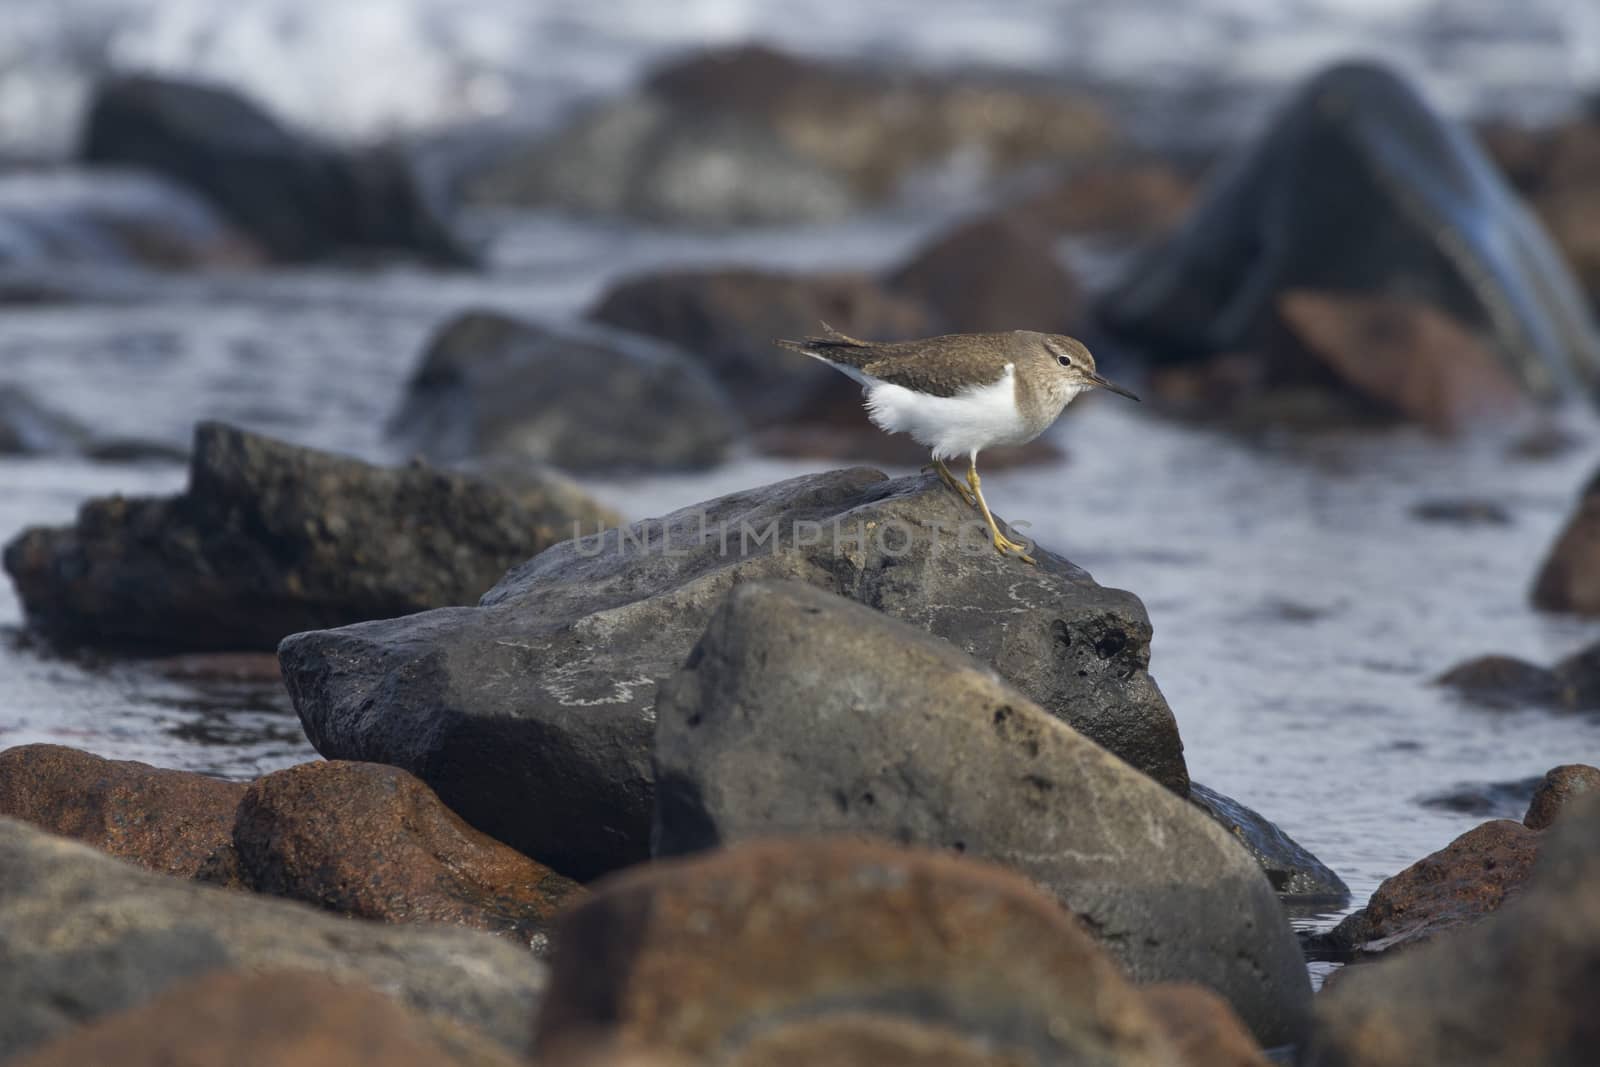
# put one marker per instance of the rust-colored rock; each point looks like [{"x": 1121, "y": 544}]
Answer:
[
  {"x": 1560, "y": 786},
  {"x": 1506, "y": 681},
  {"x": 1202, "y": 1027},
  {"x": 168, "y": 821},
  {"x": 1569, "y": 581},
  {"x": 991, "y": 274},
  {"x": 1458, "y": 885},
  {"x": 369, "y": 840},
  {"x": 277, "y": 1019},
  {"x": 1128, "y": 198},
  {"x": 1408, "y": 357},
  {"x": 875, "y": 947},
  {"x": 729, "y": 318}
]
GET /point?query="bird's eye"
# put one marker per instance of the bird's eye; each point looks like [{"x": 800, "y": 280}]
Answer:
[{"x": 1065, "y": 361}]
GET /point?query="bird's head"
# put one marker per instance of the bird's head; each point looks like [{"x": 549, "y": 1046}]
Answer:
[{"x": 1075, "y": 363}]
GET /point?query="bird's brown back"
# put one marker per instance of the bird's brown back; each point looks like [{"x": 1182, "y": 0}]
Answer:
[{"x": 938, "y": 366}]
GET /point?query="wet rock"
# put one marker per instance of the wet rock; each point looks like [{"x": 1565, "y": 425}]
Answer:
[
  {"x": 1506, "y": 682},
  {"x": 1203, "y": 1030},
  {"x": 112, "y": 217},
  {"x": 989, "y": 275},
  {"x": 1557, "y": 790},
  {"x": 533, "y": 715},
  {"x": 270, "y": 539},
  {"x": 278, "y": 1019},
  {"x": 643, "y": 157},
  {"x": 823, "y": 951},
  {"x": 297, "y": 199},
  {"x": 727, "y": 319},
  {"x": 84, "y": 935},
  {"x": 1517, "y": 988},
  {"x": 749, "y": 134},
  {"x": 583, "y": 400},
  {"x": 1406, "y": 357},
  {"x": 800, "y": 712},
  {"x": 1499, "y": 800},
  {"x": 1569, "y": 580},
  {"x": 167, "y": 821},
  {"x": 373, "y": 842},
  {"x": 1462, "y": 511},
  {"x": 1457, "y": 886},
  {"x": 1295, "y": 874},
  {"x": 1557, "y": 169},
  {"x": 1358, "y": 186}
]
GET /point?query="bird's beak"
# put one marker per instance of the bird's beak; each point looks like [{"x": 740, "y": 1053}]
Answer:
[{"x": 1111, "y": 386}]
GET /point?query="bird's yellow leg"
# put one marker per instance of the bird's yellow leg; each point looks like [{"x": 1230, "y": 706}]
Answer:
[
  {"x": 950, "y": 479},
  {"x": 1002, "y": 544}
]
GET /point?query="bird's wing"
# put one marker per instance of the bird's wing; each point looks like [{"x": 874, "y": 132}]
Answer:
[{"x": 938, "y": 366}]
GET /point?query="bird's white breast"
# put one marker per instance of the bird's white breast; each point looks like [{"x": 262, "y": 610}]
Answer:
[{"x": 952, "y": 426}]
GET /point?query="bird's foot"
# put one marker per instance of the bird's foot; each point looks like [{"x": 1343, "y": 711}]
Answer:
[
  {"x": 950, "y": 479},
  {"x": 1007, "y": 547}
]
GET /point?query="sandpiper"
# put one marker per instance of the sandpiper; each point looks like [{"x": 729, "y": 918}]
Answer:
[{"x": 963, "y": 392}]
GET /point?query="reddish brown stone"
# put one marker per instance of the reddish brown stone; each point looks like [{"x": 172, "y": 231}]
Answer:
[
  {"x": 168, "y": 821},
  {"x": 988, "y": 275},
  {"x": 1560, "y": 786},
  {"x": 1134, "y": 198},
  {"x": 1406, "y": 356},
  {"x": 1202, "y": 1027},
  {"x": 1569, "y": 581},
  {"x": 278, "y": 1019},
  {"x": 1458, "y": 885},
  {"x": 1505, "y": 681},
  {"x": 369, "y": 840},
  {"x": 730, "y": 950}
]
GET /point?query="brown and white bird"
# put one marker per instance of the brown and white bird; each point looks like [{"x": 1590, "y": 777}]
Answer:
[{"x": 963, "y": 392}]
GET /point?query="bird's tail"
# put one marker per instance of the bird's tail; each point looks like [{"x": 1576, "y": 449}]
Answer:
[{"x": 819, "y": 346}]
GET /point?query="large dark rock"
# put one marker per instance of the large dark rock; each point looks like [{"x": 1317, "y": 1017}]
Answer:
[
  {"x": 83, "y": 935},
  {"x": 373, "y": 842},
  {"x": 800, "y": 712},
  {"x": 1295, "y": 873},
  {"x": 1359, "y": 187},
  {"x": 583, "y": 400},
  {"x": 282, "y": 1018},
  {"x": 1469, "y": 878},
  {"x": 298, "y": 199},
  {"x": 816, "y": 951},
  {"x": 728, "y": 319},
  {"x": 1519, "y": 987},
  {"x": 174, "y": 822},
  {"x": 269, "y": 539},
  {"x": 533, "y": 714}
]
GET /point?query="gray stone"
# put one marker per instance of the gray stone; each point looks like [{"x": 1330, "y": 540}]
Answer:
[
  {"x": 800, "y": 712},
  {"x": 82, "y": 935},
  {"x": 269, "y": 539},
  {"x": 533, "y": 714},
  {"x": 583, "y": 399}
]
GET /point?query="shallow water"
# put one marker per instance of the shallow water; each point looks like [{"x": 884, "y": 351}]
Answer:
[{"x": 1300, "y": 608}]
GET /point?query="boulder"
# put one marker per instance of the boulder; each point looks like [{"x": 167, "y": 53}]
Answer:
[
  {"x": 1127, "y": 198},
  {"x": 1559, "y": 788},
  {"x": 584, "y": 400},
  {"x": 110, "y": 217},
  {"x": 838, "y": 952},
  {"x": 533, "y": 714},
  {"x": 1519, "y": 987},
  {"x": 800, "y": 712},
  {"x": 297, "y": 199},
  {"x": 1203, "y": 1030},
  {"x": 1457, "y": 886},
  {"x": 1569, "y": 580},
  {"x": 1295, "y": 873},
  {"x": 728, "y": 319},
  {"x": 269, "y": 539},
  {"x": 168, "y": 821},
  {"x": 1405, "y": 356},
  {"x": 989, "y": 275},
  {"x": 371, "y": 841},
  {"x": 1506, "y": 682},
  {"x": 84, "y": 935},
  {"x": 277, "y": 1019}
]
